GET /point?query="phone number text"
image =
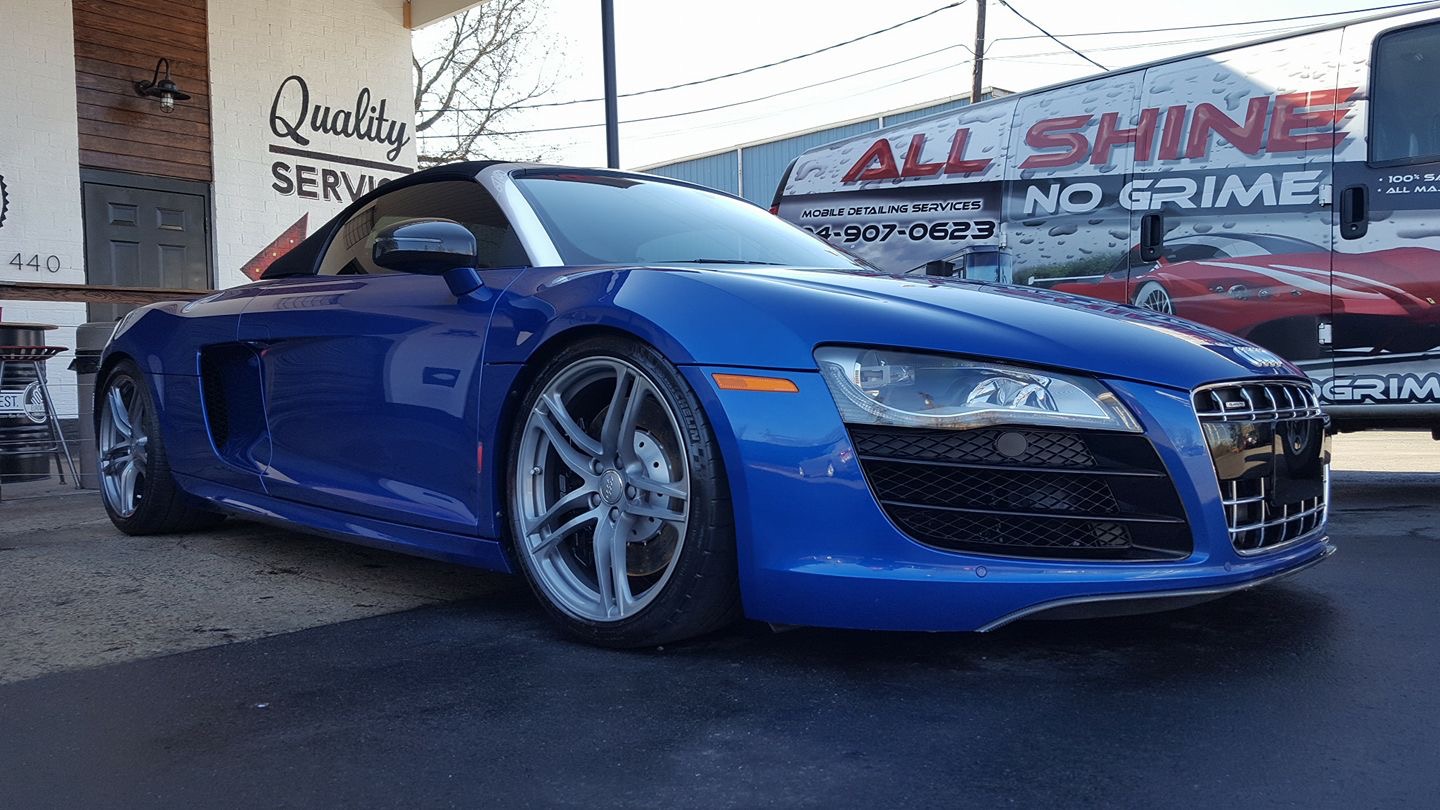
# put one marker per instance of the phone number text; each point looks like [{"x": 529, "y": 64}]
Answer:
[{"x": 951, "y": 231}]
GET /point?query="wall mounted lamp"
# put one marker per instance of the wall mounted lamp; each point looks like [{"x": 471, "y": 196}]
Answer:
[{"x": 163, "y": 89}]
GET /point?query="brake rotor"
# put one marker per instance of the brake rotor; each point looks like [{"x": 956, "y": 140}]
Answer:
[{"x": 647, "y": 551}]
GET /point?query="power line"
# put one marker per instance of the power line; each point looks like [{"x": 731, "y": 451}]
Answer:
[
  {"x": 1037, "y": 27},
  {"x": 723, "y": 75},
  {"x": 1232, "y": 24},
  {"x": 817, "y": 102},
  {"x": 1017, "y": 58},
  {"x": 733, "y": 103},
  {"x": 1152, "y": 44},
  {"x": 992, "y": 43}
]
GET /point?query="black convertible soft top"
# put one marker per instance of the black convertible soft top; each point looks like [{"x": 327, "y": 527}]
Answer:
[{"x": 304, "y": 258}]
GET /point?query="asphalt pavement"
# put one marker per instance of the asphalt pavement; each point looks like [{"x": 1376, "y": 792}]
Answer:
[{"x": 1319, "y": 691}]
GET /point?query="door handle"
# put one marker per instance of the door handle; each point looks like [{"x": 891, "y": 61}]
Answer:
[
  {"x": 1354, "y": 212},
  {"x": 1152, "y": 236}
]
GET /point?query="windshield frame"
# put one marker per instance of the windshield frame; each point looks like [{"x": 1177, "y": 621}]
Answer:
[{"x": 533, "y": 230}]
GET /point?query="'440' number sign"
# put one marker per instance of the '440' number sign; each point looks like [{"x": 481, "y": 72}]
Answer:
[{"x": 50, "y": 263}]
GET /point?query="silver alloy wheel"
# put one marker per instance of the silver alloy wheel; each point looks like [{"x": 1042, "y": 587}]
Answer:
[
  {"x": 124, "y": 446},
  {"x": 601, "y": 490},
  {"x": 1153, "y": 295}
]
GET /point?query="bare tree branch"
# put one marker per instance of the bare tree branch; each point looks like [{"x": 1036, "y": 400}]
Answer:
[{"x": 475, "y": 77}]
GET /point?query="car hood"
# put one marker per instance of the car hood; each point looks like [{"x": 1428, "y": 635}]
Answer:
[{"x": 783, "y": 313}]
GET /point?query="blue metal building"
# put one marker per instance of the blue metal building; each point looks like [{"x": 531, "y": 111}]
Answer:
[{"x": 753, "y": 170}]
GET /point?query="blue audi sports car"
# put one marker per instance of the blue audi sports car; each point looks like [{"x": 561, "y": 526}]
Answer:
[{"x": 669, "y": 409}]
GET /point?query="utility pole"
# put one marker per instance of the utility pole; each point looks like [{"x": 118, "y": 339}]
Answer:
[
  {"x": 975, "y": 88},
  {"x": 612, "y": 115}
]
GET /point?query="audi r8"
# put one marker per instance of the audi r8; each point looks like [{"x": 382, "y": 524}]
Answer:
[{"x": 668, "y": 409}]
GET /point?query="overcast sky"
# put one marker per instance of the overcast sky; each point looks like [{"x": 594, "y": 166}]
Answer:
[{"x": 664, "y": 42}]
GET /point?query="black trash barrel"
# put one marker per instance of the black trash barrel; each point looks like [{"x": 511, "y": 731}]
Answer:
[{"x": 25, "y": 445}]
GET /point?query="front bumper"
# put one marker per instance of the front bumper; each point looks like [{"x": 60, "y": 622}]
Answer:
[
  {"x": 816, "y": 549},
  {"x": 1129, "y": 604}
]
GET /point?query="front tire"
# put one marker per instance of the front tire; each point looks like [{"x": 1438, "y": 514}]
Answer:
[
  {"x": 136, "y": 486},
  {"x": 619, "y": 512}
]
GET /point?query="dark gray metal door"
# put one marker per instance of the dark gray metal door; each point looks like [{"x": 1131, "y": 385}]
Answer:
[{"x": 138, "y": 237}]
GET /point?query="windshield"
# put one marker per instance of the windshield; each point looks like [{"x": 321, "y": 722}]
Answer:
[{"x": 596, "y": 218}]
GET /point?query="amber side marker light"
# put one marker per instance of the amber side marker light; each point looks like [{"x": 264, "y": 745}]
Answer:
[{"x": 747, "y": 382}]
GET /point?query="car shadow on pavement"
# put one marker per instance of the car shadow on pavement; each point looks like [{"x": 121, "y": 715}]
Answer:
[{"x": 1314, "y": 692}]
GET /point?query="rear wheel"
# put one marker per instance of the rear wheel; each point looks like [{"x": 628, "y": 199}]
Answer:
[
  {"x": 1153, "y": 295},
  {"x": 618, "y": 505},
  {"x": 139, "y": 493}
]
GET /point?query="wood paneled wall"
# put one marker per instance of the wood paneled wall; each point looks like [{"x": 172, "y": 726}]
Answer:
[{"x": 117, "y": 43}]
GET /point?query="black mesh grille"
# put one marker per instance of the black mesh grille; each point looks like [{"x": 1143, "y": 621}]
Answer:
[
  {"x": 995, "y": 489},
  {"x": 1008, "y": 532},
  {"x": 1026, "y": 492},
  {"x": 1044, "y": 449}
]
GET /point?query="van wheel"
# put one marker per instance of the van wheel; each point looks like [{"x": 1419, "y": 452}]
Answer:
[
  {"x": 1154, "y": 296},
  {"x": 140, "y": 495}
]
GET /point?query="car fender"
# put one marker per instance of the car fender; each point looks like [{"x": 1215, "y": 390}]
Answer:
[
  {"x": 672, "y": 310},
  {"x": 165, "y": 338}
]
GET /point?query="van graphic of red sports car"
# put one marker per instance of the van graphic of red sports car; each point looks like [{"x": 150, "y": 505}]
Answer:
[{"x": 1275, "y": 289}]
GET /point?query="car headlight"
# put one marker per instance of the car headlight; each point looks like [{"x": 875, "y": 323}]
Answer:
[{"x": 907, "y": 389}]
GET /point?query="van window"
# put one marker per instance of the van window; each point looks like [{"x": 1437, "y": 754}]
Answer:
[
  {"x": 1404, "y": 125},
  {"x": 995, "y": 266},
  {"x": 1191, "y": 252}
]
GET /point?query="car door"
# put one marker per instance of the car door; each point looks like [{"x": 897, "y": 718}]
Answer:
[
  {"x": 371, "y": 377},
  {"x": 1386, "y": 265}
]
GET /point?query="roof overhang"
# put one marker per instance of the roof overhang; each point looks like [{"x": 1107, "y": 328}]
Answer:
[{"x": 420, "y": 13}]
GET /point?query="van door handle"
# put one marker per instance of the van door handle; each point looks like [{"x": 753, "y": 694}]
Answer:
[
  {"x": 1354, "y": 213},
  {"x": 1152, "y": 236}
]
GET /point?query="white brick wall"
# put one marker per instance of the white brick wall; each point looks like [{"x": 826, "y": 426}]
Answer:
[
  {"x": 338, "y": 47},
  {"x": 39, "y": 161}
]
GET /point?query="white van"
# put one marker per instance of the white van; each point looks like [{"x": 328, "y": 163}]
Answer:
[{"x": 1287, "y": 191}]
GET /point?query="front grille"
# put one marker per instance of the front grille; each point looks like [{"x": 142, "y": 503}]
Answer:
[
  {"x": 1257, "y": 402},
  {"x": 1026, "y": 492},
  {"x": 1271, "y": 455}
]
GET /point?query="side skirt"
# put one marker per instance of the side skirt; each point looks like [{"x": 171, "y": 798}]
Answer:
[{"x": 443, "y": 546}]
